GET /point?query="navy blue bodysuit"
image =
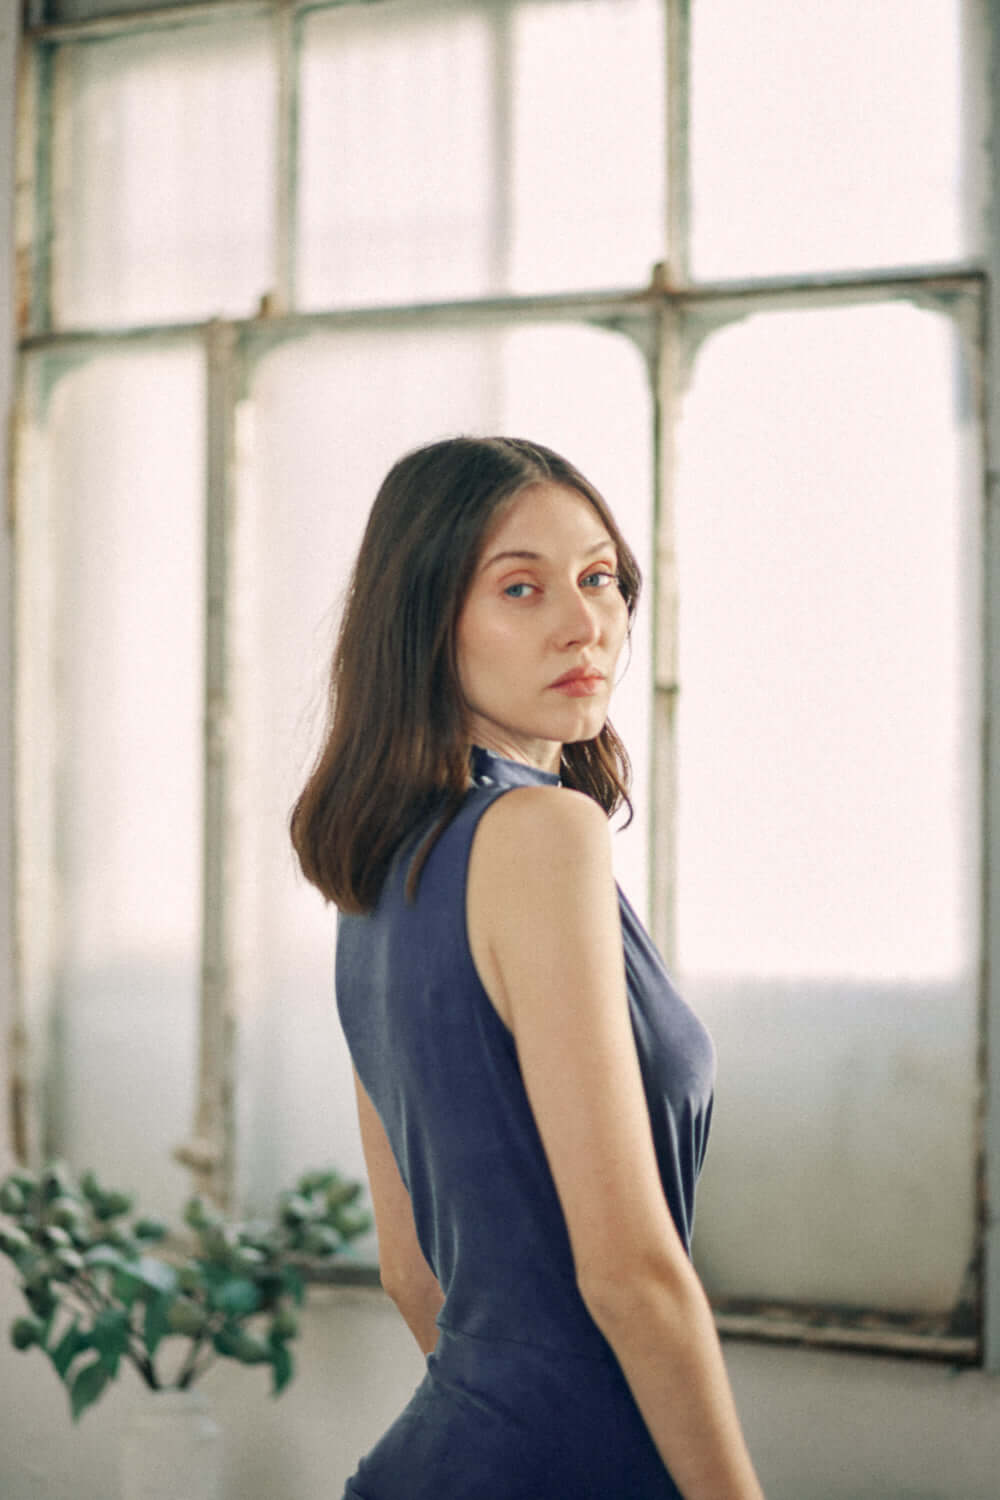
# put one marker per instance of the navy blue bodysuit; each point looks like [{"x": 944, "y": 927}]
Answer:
[{"x": 523, "y": 1398}]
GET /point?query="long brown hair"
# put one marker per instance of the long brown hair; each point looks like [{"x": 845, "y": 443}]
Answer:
[{"x": 396, "y": 747}]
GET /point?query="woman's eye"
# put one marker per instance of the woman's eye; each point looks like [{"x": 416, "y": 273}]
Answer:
[
  {"x": 518, "y": 590},
  {"x": 599, "y": 580}
]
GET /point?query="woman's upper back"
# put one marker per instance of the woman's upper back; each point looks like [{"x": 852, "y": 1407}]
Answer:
[{"x": 442, "y": 1070}]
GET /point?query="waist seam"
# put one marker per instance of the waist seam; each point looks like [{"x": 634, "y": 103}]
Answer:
[{"x": 602, "y": 1355}]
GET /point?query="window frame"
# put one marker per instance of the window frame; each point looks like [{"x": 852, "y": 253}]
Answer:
[{"x": 655, "y": 316}]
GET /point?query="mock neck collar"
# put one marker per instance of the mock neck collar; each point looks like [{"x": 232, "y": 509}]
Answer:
[{"x": 494, "y": 770}]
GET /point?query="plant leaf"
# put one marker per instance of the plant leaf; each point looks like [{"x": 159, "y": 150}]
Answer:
[
  {"x": 14, "y": 1242},
  {"x": 110, "y": 1336},
  {"x": 340, "y": 1194},
  {"x": 149, "y": 1229},
  {"x": 156, "y": 1274},
  {"x": 105, "y": 1255},
  {"x": 236, "y": 1343},
  {"x": 237, "y": 1296},
  {"x": 282, "y": 1366},
  {"x": 155, "y": 1324},
  {"x": 68, "y": 1347},
  {"x": 295, "y": 1285},
  {"x": 87, "y": 1386},
  {"x": 125, "y": 1287},
  {"x": 147, "y": 1271}
]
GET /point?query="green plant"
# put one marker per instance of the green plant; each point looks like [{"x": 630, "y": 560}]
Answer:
[{"x": 98, "y": 1297}]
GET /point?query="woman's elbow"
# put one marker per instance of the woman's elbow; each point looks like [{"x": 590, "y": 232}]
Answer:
[
  {"x": 412, "y": 1292},
  {"x": 399, "y": 1286},
  {"x": 390, "y": 1283},
  {"x": 638, "y": 1291}
]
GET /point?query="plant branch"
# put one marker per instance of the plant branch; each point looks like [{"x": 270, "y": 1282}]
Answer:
[
  {"x": 95, "y": 1301},
  {"x": 186, "y": 1373}
]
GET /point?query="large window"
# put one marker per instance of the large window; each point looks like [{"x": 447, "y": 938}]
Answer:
[{"x": 732, "y": 260}]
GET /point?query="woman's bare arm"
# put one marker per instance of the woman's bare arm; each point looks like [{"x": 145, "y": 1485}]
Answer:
[
  {"x": 404, "y": 1272},
  {"x": 546, "y": 936}
]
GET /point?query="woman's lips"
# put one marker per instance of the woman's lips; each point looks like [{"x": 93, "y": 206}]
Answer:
[{"x": 582, "y": 682}]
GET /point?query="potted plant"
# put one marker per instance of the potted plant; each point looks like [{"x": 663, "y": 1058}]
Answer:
[{"x": 99, "y": 1299}]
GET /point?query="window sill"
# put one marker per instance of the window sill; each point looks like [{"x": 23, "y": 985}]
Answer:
[{"x": 912, "y": 1336}]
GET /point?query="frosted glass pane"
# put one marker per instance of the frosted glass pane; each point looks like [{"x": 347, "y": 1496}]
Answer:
[
  {"x": 124, "y": 445},
  {"x": 396, "y": 162},
  {"x": 452, "y": 150},
  {"x": 828, "y": 828},
  {"x": 588, "y": 170},
  {"x": 328, "y": 417},
  {"x": 164, "y": 176},
  {"x": 827, "y": 136}
]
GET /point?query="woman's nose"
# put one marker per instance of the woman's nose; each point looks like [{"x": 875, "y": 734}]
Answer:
[{"x": 578, "y": 624}]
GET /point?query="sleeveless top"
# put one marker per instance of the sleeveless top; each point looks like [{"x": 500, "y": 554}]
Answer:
[{"x": 441, "y": 1069}]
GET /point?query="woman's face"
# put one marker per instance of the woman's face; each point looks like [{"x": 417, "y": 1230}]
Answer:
[{"x": 541, "y": 628}]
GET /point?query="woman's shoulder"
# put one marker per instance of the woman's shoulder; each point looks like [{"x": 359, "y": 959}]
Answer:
[
  {"x": 540, "y": 888},
  {"x": 537, "y": 830}
]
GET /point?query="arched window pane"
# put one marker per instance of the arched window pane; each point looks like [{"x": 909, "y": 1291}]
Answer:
[{"x": 828, "y": 839}]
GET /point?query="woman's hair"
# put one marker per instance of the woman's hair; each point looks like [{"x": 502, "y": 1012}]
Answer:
[{"x": 396, "y": 746}]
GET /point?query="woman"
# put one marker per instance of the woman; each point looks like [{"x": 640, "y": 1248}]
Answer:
[{"x": 534, "y": 1097}]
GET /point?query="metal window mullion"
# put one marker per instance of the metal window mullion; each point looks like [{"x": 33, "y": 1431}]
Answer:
[
  {"x": 501, "y": 119},
  {"x": 991, "y": 705},
  {"x": 151, "y": 18},
  {"x": 287, "y": 34},
  {"x": 678, "y": 139},
  {"x": 210, "y": 1152},
  {"x": 663, "y": 811},
  {"x": 727, "y": 300},
  {"x": 37, "y": 889},
  {"x": 663, "y": 832},
  {"x": 36, "y": 123}
]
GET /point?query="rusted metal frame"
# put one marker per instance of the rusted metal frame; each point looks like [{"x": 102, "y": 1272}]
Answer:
[
  {"x": 25, "y": 190},
  {"x": 167, "y": 17},
  {"x": 210, "y": 1150},
  {"x": 154, "y": 17},
  {"x": 669, "y": 278},
  {"x": 990, "y": 1178},
  {"x": 873, "y": 283},
  {"x": 974, "y": 92},
  {"x": 34, "y": 877},
  {"x": 501, "y": 111},
  {"x": 14, "y": 84},
  {"x": 34, "y": 227},
  {"x": 678, "y": 126},
  {"x": 86, "y": 341},
  {"x": 824, "y": 1331},
  {"x": 36, "y": 891},
  {"x": 287, "y": 33},
  {"x": 728, "y": 300},
  {"x": 605, "y": 307},
  {"x": 971, "y": 320},
  {"x": 663, "y": 809}
]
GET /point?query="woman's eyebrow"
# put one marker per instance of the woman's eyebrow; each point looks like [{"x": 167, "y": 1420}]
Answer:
[{"x": 525, "y": 555}]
